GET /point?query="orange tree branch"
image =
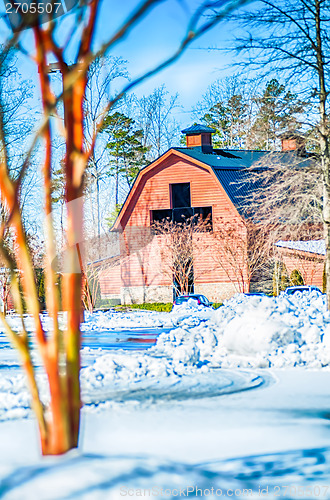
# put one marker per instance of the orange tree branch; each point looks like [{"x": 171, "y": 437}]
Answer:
[
  {"x": 48, "y": 99},
  {"x": 9, "y": 197}
]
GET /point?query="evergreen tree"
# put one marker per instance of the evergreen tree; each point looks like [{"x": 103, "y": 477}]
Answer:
[
  {"x": 296, "y": 278},
  {"x": 228, "y": 119},
  {"x": 226, "y": 106},
  {"x": 278, "y": 111},
  {"x": 125, "y": 148}
]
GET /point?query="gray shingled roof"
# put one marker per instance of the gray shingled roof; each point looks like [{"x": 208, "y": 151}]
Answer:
[{"x": 230, "y": 167}]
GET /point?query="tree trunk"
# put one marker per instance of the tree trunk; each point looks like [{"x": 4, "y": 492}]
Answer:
[
  {"x": 326, "y": 222},
  {"x": 324, "y": 141}
]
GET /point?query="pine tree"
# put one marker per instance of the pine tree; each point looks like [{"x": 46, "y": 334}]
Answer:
[
  {"x": 296, "y": 278},
  {"x": 125, "y": 148},
  {"x": 227, "y": 118},
  {"x": 278, "y": 111}
]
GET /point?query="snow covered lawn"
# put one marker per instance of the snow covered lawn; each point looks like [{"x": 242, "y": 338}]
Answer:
[{"x": 233, "y": 399}]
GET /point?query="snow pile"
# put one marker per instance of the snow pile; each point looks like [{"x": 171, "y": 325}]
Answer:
[
  {"x": 246, "y": 332},
  {"x": 189, "y": 313},
  {"x": 256, "y": 331},
  {"x": 14, "y": 398}
]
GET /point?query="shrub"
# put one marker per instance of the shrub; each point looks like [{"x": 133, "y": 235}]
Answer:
[
  {"x": 296, "y": 278},
  {"x": 280, "y": 278},
  {"x": 152, "y": 306}
]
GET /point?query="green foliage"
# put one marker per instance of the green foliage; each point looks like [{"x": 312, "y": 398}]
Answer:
[
  {"x": 285, "y": 281},
  {"x": 296, "y": 278},
  {"x": 58, "y": 183},
  {"x": 227, "y": 118},
  {"x": 278, "y": 111},
  {"x": 40, "y": 278},
  {"x": 114, "y": 214},
  {"x": 152, "y": 306},
  {"x": 216, "y": 305},
  {"x": 244, "y": 119},
  {"x": 157, "y": 306},
  {"x": 125, "y": 148},
  {"x": 276, "y": 277},
  {"x": 280, "y": 278}
]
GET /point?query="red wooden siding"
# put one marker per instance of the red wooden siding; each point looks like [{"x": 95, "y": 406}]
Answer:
[
  {"x": 310, "y": 265},
  {"x": 110, "y": 280},
  {"x": 205, "y": 191}
]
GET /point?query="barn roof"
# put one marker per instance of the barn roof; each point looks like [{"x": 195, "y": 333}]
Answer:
[{"x": 231, "y": 168}]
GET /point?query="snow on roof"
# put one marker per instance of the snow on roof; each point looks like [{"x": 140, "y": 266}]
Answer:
[{"x": 311, "y": 246}]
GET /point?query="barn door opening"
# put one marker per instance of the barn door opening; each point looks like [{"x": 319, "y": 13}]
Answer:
[{"x": 180, "y": 194}]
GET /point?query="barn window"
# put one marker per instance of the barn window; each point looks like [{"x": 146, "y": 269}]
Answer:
[
  {"x": 182, "y": 213},
  {"x": 178, "y": 214},
  {"x": 181, "y": 195},
  {"x": 159, "y": 215},
  {"x": 204, "y": 213}
]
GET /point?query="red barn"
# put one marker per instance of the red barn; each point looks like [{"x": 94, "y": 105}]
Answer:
[{"x": 184, "y": 181}]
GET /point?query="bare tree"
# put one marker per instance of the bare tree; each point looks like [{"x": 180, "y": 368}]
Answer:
[
  {"x": 155, "y": 118},
  {"x": 285, "y": 193},
  {"x": 104, "y": 73},
  {"x": 285, "y": 199},
  {"x": 291, "y": 38},
  {"x": 243, "y": 251},
  {"x": 179, "y": 243}
]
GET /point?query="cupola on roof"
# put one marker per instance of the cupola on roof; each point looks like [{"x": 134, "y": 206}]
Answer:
[
  {"x": 199, "y": 136},
  {"x": 198, "y": 128}
]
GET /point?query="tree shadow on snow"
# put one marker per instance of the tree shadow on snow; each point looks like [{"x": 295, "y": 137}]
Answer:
[{"x": 90, "y": 476}]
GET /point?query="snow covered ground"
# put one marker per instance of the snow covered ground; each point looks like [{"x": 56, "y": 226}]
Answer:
[{"x": 234, "y": 399}]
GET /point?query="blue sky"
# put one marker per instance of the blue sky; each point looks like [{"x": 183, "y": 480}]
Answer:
[{"x": 155, "y": 37}]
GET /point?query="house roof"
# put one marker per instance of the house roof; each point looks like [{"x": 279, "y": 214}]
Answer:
[{"x": 310, "y": 246}]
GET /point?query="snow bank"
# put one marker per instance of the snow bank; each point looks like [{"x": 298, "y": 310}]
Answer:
[
  {"x": 256, "y": 331},
  {"x": 282, "y": 331},
  {"x": 190, "y": 314},
  {"x": 246, "y": 332}
]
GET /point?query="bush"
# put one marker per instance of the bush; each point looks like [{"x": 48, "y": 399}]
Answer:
[
  {"x": 296, "y": 278},
  {"x": 152, "y": 306},
  {"x": 160, "y": 306},
  {"x": 280, "y": 278}
]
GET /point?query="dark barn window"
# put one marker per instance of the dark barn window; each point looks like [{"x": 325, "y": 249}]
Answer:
[
  {"x": 205, "y": 213},
  {"x": 181, "y": 195},
  {"x": 179, "y": 214},
  {"x": 159, "y": 215}
]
